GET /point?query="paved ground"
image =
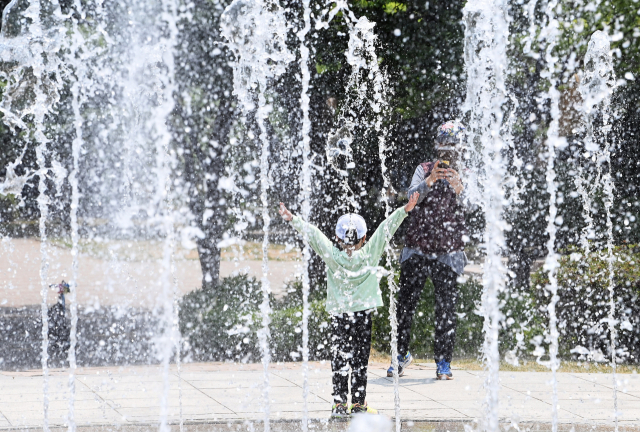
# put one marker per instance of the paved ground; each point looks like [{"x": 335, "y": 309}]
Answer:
[
  {"x": 215, "y": 393},
  {"x": 118, "y": 275}
]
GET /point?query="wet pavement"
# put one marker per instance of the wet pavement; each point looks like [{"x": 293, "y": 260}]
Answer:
[{"x": 225, "y": 396}]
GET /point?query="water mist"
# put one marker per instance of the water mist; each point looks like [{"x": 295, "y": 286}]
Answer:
[
  {"x": 256, "y": 33},
  {"x": 596, "y": 88},
  {"x": 486, "y": 37}
]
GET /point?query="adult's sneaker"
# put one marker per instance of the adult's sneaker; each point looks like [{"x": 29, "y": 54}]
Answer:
[
  {"x": 362, "y": 409},
  {"x": 340, "y": 410},
  {"x": 403, "y": 362},
  {"x": 443, "y": 370}
]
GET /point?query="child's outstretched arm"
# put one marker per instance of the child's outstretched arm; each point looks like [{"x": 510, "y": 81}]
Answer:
[
  {"x": 388, "y": 228},
  {"x": 317, "y": 240}
]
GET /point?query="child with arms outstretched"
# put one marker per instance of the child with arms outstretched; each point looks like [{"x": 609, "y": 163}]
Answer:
[{"x": 353, "y": 293}]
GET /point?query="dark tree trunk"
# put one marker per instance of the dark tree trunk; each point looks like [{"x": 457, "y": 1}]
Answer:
[
  {"x": 520, "y": 264},
  {"x": 205, "y": 121},
  {"x": 205, "y": 165}
]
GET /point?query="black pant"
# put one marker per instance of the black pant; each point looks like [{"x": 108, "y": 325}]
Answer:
[
  {"x": 414, "y": 274},
  {"x": 350, "y": 347}
]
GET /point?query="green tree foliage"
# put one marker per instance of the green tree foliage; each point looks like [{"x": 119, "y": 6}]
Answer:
[
  {"x": 620, "y": 20},
  {"x": 222, "y": 324},
  {"x": 584, "y": 305}
]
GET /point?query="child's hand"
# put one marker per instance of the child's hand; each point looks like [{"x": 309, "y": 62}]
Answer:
[
  {"x": 413, "y": 200},
  {"x": 286, "y": 214}
]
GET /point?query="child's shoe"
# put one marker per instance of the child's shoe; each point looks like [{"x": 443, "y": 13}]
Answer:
[
  {"x": 362, "y": 409},
  {"x": 403, "y": 362},
  {"x": 339, "y": 410},
  {"x": 443, "y": 370}
]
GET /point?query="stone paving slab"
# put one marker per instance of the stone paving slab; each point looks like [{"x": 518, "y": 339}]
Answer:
[
  {"x": 293, "y": 425},
  {"x": 210, "y": 393}
]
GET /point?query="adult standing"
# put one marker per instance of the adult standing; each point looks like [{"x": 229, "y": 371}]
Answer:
[{"x": 434, "y": 248}]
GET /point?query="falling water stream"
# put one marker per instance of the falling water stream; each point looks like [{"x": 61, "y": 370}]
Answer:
[
  {"x": 551, "y": 263},
  {"x": 77, "y": 91},
  {"x": 40, "y": 56},
  {"x": 341, "y": 138},
  {"x": 41, "y": 70},
  {"x": 379, "y": 106},
  {"x": 361, "y": 54},
  {"x": 169, "y": 339},
  {"x": 178, "y": 341},
  {"x": 596, "y": 88},
  {"x": 305, "y": 186},
  {"x": 486, "y": 37},
  {"x": 44, "y": 286},
  {"x": 39, "y": 112},
  {"x": 265, "y": 309},
  {"x": 256, "y": 33}
]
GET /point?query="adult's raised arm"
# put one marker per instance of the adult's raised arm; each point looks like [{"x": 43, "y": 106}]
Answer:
[{"x": 418, "y": 184}]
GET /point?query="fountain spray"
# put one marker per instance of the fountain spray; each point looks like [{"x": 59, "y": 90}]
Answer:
[
  {"x": 77, "y": 93},
  {"x": 305, "y": 182},
  {"x": 264, "y": 334},
  {"x": 256, "y": 33},
  {"x": 39, "y": 113},
  {"x": 27, "y": 45},
  {"x": 551, "y": 262},
  {"x": 341, "y": 138},
  {"x": 43, "y": 203},
  {"x": 362, "y": 54},
  {"x": 393, "y": 288},
  {"x": 170, "y": 333},
  {"x": 178, "y": 342},
  {"x": 486, "y": 38},
  {"x": 596, "y": 88}
]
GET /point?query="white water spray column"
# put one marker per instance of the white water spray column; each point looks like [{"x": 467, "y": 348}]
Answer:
[
  {"x": 553, "y": 141},
  {"x": 78, "y": 96},
  {"x": 256, "y": 32},
  {"x": 367, "y": 78},
  {"x": 40, "y": 108},
  {"x": 362, "y": 55},
  {"x": 305, "y": 184},
  {"x": 169, "y": 339},
  {"x": 486, "y": 38},
  {"x": 596, "y": 89},
  {"x": 33, "y": 47}
]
